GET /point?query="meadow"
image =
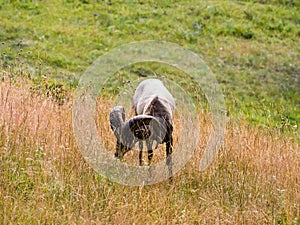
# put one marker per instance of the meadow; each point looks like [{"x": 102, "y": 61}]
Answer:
[{"x": 252, "y": 47}]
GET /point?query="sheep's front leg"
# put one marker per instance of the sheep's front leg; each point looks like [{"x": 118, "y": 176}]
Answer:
[
  {"x": 150, "y": 150},
  {"x": 141, "y": 152}
]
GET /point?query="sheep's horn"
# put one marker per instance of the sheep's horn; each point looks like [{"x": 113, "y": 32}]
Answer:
[{"x": 117, "y": 120}]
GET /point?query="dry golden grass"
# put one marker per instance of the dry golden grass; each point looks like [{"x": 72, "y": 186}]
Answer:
[{"x": 44, "y": 179}]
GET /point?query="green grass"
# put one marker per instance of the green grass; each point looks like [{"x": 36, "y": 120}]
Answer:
[{"x": 252, "y": 48}]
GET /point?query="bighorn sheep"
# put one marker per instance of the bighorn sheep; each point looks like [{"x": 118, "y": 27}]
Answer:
[{"x": 154, "y": 107}]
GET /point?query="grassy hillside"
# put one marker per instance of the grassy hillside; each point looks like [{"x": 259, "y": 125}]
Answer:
[{"x": 252, "y": 46}]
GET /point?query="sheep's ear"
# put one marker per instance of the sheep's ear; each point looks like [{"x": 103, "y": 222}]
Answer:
[
  {"x": 117, "y": 119},
  {"x": 143, "y": 126}
]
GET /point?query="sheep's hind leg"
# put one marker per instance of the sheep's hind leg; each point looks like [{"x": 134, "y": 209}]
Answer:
[
  {"x": 169, "y": 150},
  {"x": 169, "y": 146}
]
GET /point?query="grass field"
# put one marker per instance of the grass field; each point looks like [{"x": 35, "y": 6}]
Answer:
[{"x": 251, "y": 46}]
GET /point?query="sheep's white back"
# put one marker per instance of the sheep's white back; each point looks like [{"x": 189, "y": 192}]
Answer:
[{"x": 148, "y": 90}]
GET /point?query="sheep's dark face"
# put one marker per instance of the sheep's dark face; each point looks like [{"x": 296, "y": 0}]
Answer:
[
  {"x": 141, "y": 127},
  {"x": 143, "y": 132}
]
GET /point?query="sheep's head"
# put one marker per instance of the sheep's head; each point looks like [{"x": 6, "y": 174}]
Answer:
[{"x": 140, "y": 127}]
